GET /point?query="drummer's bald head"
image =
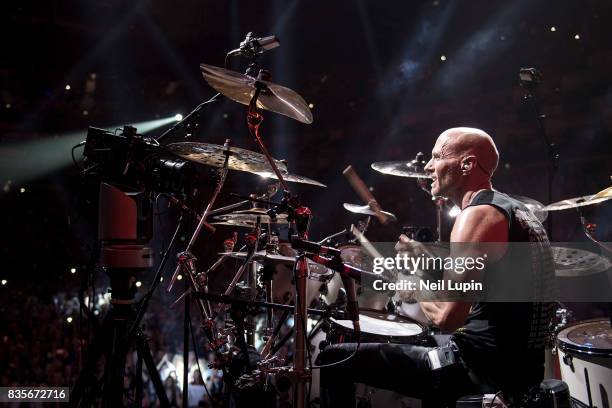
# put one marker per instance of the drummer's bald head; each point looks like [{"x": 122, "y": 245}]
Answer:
[{"x": 467, "y": 141}]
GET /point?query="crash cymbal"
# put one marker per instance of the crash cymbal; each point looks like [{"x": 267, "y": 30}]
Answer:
[
  {"x": 401, "y": 168},
  {"x": 251, "y": 218},
  {"x": 604, "y": 193},
  {"x": 576, "y": 202},
  {"x": 293, "y": 178},
  {"x": 573, "y": 262},
  {"x": 240, "y": 88},
  {"x": 214, "y": 155},
  {"x": 366, "y": 210},
  {"x": 536, "y": 207}
]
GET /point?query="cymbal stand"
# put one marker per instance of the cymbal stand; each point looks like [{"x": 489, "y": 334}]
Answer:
[
  {"x": 186, "y": 259},
  {"x": 252, "y": 244},
  {"x": 301, "y": 216}
]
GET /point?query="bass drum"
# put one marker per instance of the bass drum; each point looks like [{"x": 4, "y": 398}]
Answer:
[
  {"x": 354, "y": 255},
  {"x": 585, "y": 358}
]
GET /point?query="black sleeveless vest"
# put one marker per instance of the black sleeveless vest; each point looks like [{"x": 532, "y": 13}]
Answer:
[{"x": 505, "y": 341}]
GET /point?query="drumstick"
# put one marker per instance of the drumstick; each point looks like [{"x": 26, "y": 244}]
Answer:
[
  {"x": 365, "y": 243},
  {"x": 362, "y": 190}
]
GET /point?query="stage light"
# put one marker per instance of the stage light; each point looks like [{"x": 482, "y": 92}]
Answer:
[
  {"x": 22, "y": 190},
  {"x": 72, "y": 270},
  {"x": 85, "y": 113},
  {"x": 161, "y": 279},
  {"x": 553, "y": 29},
  {"x": 4, "y": 282},
  {"x": 311, "y": 105},
  {"x": 69, "y": 319},
  {"x": 8, "y": 106},
  {"x": 138, "y": 284},
  {"x": 577, "y": 37},
  {"x": 179, "y": 277},
  {"x": 178, "y": 117},
  {"x": 67, "y": 87},
  {"x": 96, "y": 312},
  {"x": 454, "y": 211},
  {"x": 443, "y": 58}
]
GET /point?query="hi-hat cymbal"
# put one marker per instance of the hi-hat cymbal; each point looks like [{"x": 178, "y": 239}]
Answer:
[
  {"x": 277, "y": 259},
  {"x": 573, "y": 262},
  {"x": 214, "y": 155},
  {"x": 401, "y": 168},
  {"x": 235, "y": 224},
  {"x": 576, "y": 202},
  {"x": 536, "y": 207},
  {"x": 366, "y": 210},
  {"x": 294, "y": 178},
  {"x": 241, "y": 88}
]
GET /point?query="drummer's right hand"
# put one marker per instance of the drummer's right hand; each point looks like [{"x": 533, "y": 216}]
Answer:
[{"x": 409, "y": 246}]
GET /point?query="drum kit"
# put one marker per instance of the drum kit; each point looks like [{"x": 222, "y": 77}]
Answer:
[{"x": 276, "y": 279}]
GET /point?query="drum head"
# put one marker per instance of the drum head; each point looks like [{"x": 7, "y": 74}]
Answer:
[
  {"x": 592, "y": 337},
  {"x": 382, "y": 324}
]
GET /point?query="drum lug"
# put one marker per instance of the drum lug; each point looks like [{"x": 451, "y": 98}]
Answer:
[{"x": 567, "y": 360}]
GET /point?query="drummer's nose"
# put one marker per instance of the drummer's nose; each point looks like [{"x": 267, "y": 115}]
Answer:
[{"x": 429, "y": 167}]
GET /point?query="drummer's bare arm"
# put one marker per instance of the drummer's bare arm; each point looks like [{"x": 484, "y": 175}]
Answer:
[{"x": 483, "y": 223}]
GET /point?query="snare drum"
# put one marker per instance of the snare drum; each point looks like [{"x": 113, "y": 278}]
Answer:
[
  {"x": 585, "y": 357},
  {"x": 376, "y": 327}
]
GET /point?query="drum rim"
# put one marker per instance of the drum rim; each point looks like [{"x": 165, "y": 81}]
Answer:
[{"x": 565, "y": 346}]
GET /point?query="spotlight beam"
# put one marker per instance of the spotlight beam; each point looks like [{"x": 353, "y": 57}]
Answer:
[{"x": 21, "y": 162}]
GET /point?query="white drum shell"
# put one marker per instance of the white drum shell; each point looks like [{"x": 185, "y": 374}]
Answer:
[{"x": 599, "y": 370}]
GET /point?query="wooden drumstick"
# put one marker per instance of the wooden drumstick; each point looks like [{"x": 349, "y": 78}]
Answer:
[{"x": 365, "y": 194}]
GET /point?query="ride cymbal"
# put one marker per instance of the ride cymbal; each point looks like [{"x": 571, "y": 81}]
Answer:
[{"x": 214, "y": 156}]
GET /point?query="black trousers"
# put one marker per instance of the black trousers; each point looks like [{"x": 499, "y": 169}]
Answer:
[{"x": 401, "y": 368}]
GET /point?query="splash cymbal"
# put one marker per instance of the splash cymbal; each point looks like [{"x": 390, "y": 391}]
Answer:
[
  {"x": 366, "y": 210},
  {"x": 401, "y": 169}
]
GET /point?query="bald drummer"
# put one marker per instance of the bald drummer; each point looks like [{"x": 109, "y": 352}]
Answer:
[{"x": 496, "y": 346}]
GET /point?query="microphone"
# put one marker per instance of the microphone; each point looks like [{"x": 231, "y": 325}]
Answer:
[{"x": 252, "y": 46}]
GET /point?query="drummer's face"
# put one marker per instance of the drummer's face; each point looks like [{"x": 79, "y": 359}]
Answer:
[{"x": 444, "y": 167}]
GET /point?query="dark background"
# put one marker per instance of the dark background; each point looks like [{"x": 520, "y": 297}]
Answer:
[{"x": 372, "y": 70}]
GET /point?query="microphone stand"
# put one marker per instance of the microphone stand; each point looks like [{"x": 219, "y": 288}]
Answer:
[
  {"x": 530, "y": 79},
  {"x": 187, "y": 119}
]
